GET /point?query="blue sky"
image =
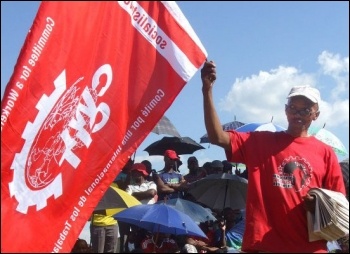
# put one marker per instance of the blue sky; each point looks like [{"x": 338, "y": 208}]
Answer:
[{"x": 261, "y": 50}]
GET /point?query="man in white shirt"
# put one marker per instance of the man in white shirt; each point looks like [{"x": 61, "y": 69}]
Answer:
[{"x": 143, "y": 190}]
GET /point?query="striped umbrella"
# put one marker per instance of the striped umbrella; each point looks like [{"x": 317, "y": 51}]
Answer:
[
  {"x": 226, "y": 127},
  {"x": 260, "y": 127},
  {"x": 164, "y": 126},
  {"x": 115, "y": 200},
  {"x": 328, "y": 138}
]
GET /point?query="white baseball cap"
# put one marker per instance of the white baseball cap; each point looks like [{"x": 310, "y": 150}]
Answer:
[{"x": 307, "y": 91}]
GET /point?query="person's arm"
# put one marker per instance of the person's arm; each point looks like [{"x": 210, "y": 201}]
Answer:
[
  {"x": 144, "y": 194},
  {"x": 215, "y": 132},
  {"x": 201, "y": 245},
  {"x": 161, "y": 186},
  {"x": 222, "y": 226},
  {"x": 181, "y": 186}
]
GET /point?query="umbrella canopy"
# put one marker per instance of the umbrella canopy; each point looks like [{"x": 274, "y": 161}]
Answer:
[
  {"x": 197, "y": 212},
  {"x": 218, "y": 191},
  {"x": 160, "y": 218},
  {"x": 164, "y": 126},
  {"x": 115, "y": 200},
  {"x": 260, "y": 127},
  {"x": 328, "y": 138},
  {"x": 226, "y": 127},
  {"x": 181, "y": 145}
]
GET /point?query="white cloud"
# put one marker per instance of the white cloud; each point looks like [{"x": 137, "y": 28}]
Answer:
[
  {"x": 259, "y": 97},
  {"x": 337, "y": 69},
  {"x": 336, "y": 111},
  {"x": 334, "y": 114},
  {"x": 333, "y": 64}
]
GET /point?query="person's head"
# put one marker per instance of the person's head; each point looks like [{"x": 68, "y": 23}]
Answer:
[
  {"x": 192, "y": 163},
  {"x": 171, "y": 160},
  {"x": 148, "y": 166},
  {"x": 207, "y": 167},
  {"x": 206, "y": 226},
  {"x": 217, "y": 167},
  {"x": 302, "y": 108},
  {"x": 227, "y": 167},
  {"x": 81, "y": 246},
  {"x": 139, "y": 173},
  {"x": 232, "y": 215}
]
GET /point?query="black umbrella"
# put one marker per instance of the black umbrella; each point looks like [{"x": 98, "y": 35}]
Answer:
[
  {"x": 181, "y": 145},
  {"x": 218, "y": 191},
  {"x": 164, "y": 126}
]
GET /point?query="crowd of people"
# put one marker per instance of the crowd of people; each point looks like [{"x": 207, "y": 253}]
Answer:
[
  {"x": 149, "y": 186},
  {"x": 280, "y": 176}
]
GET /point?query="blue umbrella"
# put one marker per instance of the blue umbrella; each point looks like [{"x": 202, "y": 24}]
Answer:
[
  {"x": 260, "y": 127},
  {"x": 160, "y": 218},
  {"x": 197, "y": 212}
]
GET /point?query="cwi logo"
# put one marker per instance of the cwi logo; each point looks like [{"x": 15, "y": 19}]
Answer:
[{"x": 64, "y": 124}]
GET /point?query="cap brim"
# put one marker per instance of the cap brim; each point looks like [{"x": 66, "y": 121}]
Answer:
[{"x": 306, "y": 96}]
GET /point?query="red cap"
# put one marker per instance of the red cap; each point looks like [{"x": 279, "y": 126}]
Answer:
[
  {"x": 140, "y": 167},
  {"x": 171, "y": 154}
]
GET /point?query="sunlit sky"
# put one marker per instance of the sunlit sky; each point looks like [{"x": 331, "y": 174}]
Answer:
[{"x": 261, "y": 50}]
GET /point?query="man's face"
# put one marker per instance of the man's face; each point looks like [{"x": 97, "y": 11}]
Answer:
[
  {"x": 137, "y": 176},
  {"x": 300, "y": 113},
  {"x": 148, "y": 166},
  {"x": 232, "y": 215},
  {"x": 169, "y": 162},
  {"x": 192, "y": 164},
  {"x": 217, "y": 170}
]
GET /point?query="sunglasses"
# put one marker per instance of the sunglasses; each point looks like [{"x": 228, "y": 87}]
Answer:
[{"x": 302, "y": 112}]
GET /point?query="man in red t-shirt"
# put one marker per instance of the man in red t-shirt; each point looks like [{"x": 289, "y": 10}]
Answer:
[{"x": 282, "y": 167}]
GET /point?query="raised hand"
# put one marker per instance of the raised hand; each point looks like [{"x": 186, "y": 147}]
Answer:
[{"x": 208, "y": 74}]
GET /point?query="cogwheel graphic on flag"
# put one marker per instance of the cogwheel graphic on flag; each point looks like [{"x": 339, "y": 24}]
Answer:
[{"x": 36, "y": 169}]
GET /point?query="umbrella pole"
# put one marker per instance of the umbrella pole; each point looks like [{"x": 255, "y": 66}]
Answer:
[
  {"x": 91, "y": 225},
  {"x": 156, "y": 242},
  {"x": 225, "y": 194}
]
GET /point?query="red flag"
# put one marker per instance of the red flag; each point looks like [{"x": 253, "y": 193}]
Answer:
[{"x": 90, "y": 83}]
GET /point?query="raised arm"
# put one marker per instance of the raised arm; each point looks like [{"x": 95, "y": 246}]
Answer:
[{"x": 215, "y": 132}]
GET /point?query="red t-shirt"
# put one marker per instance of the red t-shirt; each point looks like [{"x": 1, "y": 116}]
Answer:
[
  {"x": 168, "y": 245},
  {"x": 281, "y": 170}
]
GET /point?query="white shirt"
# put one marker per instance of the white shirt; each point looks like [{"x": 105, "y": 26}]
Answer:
[{"x": 147, "y": 185}]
